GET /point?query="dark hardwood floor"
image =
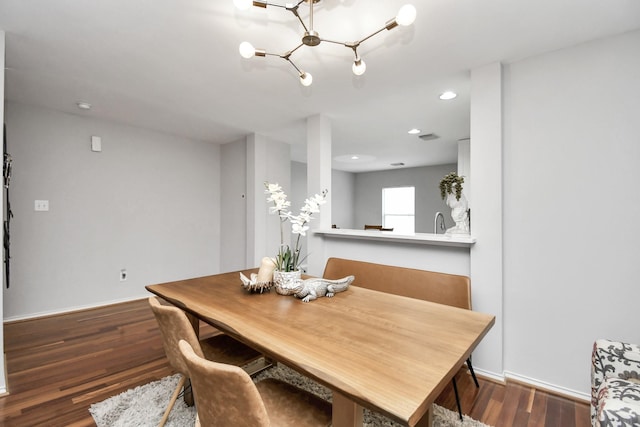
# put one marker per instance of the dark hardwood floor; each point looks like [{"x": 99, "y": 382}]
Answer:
[{"x": 58, "y": 366}]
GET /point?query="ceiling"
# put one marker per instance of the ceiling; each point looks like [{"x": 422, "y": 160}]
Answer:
[{"x": 173, "y": 66}]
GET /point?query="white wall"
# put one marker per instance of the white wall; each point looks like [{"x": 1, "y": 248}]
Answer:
[
  {"x": 343, "y": 183},
  {"x": 445, "y": 259},
  {"x": 572, "y": 208},
  {"x": 298, "y": 191},
  {"x": 267, "y": 161},
  {"x": 343, "y": 196},
  {"x": 148, "y": 203},
  {"x": 368, "y": 194},
  {"x": 485, "y": 171}
]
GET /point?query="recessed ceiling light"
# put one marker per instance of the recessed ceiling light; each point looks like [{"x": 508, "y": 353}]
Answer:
[
  {"x": 354, "y": 158},
  {"x": 414, "y": 131},
  {"x": 448, "y": 95},
  {"x": 83, "y": 105}
]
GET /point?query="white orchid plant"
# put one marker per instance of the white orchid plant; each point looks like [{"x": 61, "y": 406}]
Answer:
[{"x": 288, "y": 259}]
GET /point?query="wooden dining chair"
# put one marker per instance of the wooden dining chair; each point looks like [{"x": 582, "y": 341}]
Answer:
[
  {"x": 372, "y": 227},
  {"x": 226, "y": 395},
  {"x": 175, "y": 326}
]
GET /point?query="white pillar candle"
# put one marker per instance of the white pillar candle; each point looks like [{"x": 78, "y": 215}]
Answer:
[{"x": 265, "y": 273}]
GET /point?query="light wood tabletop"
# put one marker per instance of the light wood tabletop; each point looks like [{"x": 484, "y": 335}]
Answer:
[{"x": 388, "y": 353}]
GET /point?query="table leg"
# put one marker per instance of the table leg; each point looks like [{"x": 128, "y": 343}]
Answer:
[
  {"x": 195, "y": 323},
  {"x": 346, "y": 412},
  {"x": 187, "y": 395},
  {"x": 426, "y": 420}
]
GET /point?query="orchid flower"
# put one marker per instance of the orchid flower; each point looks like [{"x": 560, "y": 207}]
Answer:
[{"x": 288, "y": 260}]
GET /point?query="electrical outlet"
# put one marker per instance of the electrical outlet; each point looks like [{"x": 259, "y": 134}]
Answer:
[
  {"x": 41, "y": 205},
  {"x": 123, "y": 274}
]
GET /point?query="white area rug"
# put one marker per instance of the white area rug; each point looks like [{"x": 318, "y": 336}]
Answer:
[{"x": 143, "y": 406}]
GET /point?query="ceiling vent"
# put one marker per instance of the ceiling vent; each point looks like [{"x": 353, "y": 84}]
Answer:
[{"x": 428, "y": 136}]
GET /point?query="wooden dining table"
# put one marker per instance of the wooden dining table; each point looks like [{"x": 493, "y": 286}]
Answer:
[{"x": 391, "y": 354}]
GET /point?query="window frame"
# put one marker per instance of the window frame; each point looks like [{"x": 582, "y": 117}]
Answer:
[{"x": 412, "y": 213}]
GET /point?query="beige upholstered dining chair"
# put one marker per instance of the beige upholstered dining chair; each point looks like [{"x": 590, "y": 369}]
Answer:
[
  {"x": 175, "y": 326},
  {"x": 226, "y": 395}
]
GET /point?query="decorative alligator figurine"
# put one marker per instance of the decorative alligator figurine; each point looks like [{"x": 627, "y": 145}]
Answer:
[
  {"x": 307, "y": 290},
  {"x": 311, "y": 289}
]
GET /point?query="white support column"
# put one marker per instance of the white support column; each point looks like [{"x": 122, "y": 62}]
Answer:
[
  {"x": 464, "y": 162},
  {"x": 318, "y": 179},
  {"x": 266, "y": 161},
  {"x": 486, "y": 210}
]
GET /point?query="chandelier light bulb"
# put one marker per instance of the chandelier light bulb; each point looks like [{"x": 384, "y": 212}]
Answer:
[
  {"x": 242, "y": 4},
  {"x": 406, "y": 15},
  {"x": 247, "y": 50},
  {"x": 306, "y": 79},
  {"x": 359, "y": 67}
]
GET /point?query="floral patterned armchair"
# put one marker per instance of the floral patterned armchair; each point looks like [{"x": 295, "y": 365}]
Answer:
[{"x": 615, "y": 384}]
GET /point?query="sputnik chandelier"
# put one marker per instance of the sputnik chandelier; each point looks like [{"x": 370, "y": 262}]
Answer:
[{"x": 405, "y": 17}]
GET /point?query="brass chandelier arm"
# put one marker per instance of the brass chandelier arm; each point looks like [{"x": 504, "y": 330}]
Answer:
[
  {"x": 354, "y": 46},
  {"x": 294, "y": 10},
  {"x": 264, "y": 4},
  {"x": 388, "y": 26},
  {"x": 305, "y": 78},
  {"x": 300, "y": 72},
  {"x": 351, "y": 45},
  {"x": 391, "y": 24},
  {"x": 286, "y": 55}
]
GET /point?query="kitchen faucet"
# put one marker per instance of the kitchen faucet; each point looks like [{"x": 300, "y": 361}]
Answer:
[{"x": 435, "y": 223}]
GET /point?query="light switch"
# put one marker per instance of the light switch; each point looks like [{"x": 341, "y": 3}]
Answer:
[
  {"x": 96, "y": 143},
  {"x": 41, "y": 205}
]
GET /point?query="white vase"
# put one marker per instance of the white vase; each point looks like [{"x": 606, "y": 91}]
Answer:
[
  {"x": 287, "y": 282},
  {"x": 459, "y": 214}
]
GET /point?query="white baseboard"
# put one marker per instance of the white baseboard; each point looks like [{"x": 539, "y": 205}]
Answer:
[
  {"x": 77, "y": 308},
  {"x": 532, "y": 382},
  {"x": 489, "y": 375},
  {"x": 542, "y": 385}
]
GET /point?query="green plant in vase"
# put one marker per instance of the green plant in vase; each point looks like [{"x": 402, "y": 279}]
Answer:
[{"x": 451, "y": 183}]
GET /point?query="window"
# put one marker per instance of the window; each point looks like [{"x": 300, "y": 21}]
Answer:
[{"x": 398, "y": 209}]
